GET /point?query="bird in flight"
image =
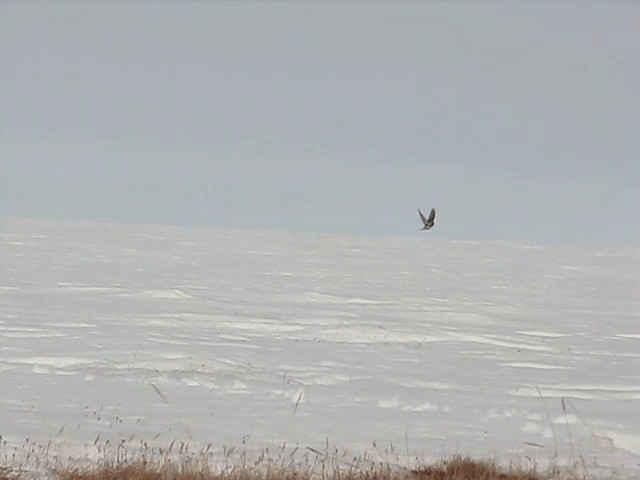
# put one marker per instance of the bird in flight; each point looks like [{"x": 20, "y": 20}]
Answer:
[{"x": 428, "y": 222}]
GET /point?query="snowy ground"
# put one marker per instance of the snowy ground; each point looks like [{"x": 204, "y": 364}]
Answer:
[{"x": 433, "y": 346}]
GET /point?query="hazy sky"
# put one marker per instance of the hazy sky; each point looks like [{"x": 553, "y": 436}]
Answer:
[{"x": 516, "y": 120}]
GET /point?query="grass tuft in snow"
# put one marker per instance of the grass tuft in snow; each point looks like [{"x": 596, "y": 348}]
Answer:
[{"x": 460, "y": 468}]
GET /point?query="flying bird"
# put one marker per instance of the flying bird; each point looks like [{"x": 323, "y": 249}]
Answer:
[{"x": 428, "y": 222}]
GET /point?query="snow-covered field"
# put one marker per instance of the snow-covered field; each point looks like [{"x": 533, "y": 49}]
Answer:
[{"x": 436, "y": 347}]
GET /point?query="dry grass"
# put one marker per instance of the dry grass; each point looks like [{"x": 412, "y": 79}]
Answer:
[
  {"x": 6, "y": 473},
  {"x": 456, "y": 469},
  {"x": 129, "y": 460},
  {"x": 466, "y": 469},
  {"x": 266, "y": 468}
]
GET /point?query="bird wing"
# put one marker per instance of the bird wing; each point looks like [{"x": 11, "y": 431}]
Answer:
[
  {"x": 432, "y": 215},
  {"x": 424, "y": 219}
]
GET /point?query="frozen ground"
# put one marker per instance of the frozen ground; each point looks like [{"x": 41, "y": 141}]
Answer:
[{"x": 436, "y": 347}]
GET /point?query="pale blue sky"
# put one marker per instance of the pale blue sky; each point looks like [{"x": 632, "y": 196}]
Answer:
[{"x": 517, "y": 120}]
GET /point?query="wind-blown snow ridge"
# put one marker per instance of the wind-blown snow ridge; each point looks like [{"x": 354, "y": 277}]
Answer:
[{"x": 455, "y": 347}]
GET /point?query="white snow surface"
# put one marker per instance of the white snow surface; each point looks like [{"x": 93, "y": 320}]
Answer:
[{"x": 437, "y": 347}]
